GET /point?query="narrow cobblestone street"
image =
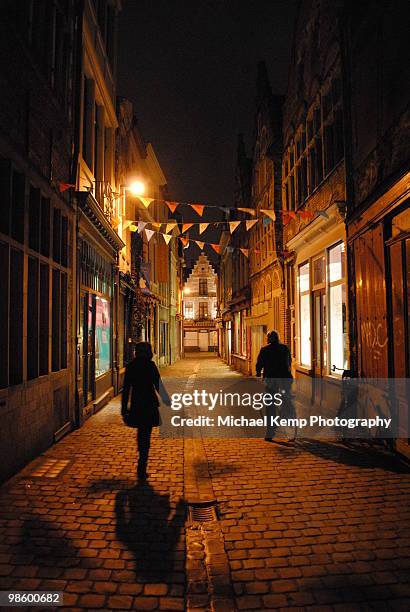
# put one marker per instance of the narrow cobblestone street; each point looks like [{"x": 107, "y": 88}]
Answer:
[{"x": 308, "y": 524}]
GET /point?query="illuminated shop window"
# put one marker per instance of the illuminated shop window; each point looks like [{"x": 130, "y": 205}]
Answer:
[
  {"x": 102, "y": 337},
  {"x": 189, "y": 310},
  {"x": 337, "y": 307},
  {"x": 304, "y": 305}
]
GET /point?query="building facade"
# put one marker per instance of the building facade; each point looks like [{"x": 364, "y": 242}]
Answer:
[
  {"x": 200, "y": 307},
  {"x": 265, "y": 238},
  {"x": 378, "y": 211},
  {"x": 37, "y": 230},
  {"x": 313, "y": 179},
  {"x": 234, "y": 291}
]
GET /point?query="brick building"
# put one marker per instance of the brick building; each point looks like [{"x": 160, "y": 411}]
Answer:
[
  {"x": 313, "y": 180},
  {"x": 377, "y": 95},
  {"x": 37, "y": 229},
  {"x": 265, "y": 238}
]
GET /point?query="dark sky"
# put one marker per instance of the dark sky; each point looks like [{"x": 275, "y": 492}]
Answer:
[{"x": 189, "y": 67}]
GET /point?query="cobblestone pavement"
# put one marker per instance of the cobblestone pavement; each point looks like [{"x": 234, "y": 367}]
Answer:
[{"x": 303, "y": 525}]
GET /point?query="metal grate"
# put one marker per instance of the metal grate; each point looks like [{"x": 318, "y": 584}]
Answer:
[
  {"x": 203, "y": 513},
  {"x": 49, "y": 468}
]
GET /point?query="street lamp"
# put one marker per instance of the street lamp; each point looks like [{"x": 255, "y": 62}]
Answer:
[{"x": 136, "y": 188}]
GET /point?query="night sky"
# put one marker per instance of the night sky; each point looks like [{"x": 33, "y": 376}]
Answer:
[{"x": 189, "y": 67}]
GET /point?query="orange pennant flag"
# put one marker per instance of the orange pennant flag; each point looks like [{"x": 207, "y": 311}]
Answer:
[
  {"x": 202, "y": 227},
  {"x": 250, "y": 224},
  {"x": 198, "y": 208},
  {"x": 156, "y": 225},
  {"x": 269, "y": 213},
  {"x": 64, "y": 186},
  {"x": 172, "y": 206},
  {"x": 233, "y": 225},
  {"x": 216, "y": 247},
  {"x": 186, "y": 226},
  {"x": 292, "y": 214},
  {"x": 184, "y": 241},
  {"x": 245, "y": 252},
  {"x": 200, "y": 244}
]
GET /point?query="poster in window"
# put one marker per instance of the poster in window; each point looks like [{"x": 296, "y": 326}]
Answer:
[{"x": 102, "y": 337}]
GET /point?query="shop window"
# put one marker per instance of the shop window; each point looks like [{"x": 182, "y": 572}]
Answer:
[
  {"x": 337, "y": 308},
  {"x": 304, "y": 308},
  {"x": 4, "y": 314},
  {"x": 319, "y": 271},
  {"x": 16, "y": 318},
  {"x": 237, "y": 333},
  {"x": 32, "y": 318},
  {"x": 59, "y": 321},
  {"x": 44, "y": 318},
  {"x": 102, "y": 336}
]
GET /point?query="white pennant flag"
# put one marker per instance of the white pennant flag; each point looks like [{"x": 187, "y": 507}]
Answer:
[
  {"x": 167, "y": 238},
  {"x": 170, "y": 227},
  {"x": 250, "y": 223},
  {"x": 268, "y": 213},
  {"x": 141, "y": 225},
  {"x": 233, "y": 225},
  {"x": 200, "y": 244},
  {"x": 146, "y": 201},
  {"x": 202, "y": 227},
  {"x": 149, "y": 233}
]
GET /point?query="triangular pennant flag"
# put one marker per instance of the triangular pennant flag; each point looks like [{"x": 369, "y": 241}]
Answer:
[
  {"x": 200, "y": 244},
  {"x": 184, "y": 241},
  {"x": 229, "y": 249},
  {"x": 146, "y": 201},
  {"x": 172, "y": 206},
  {"x": 322, "y": 213},
  {"x": 251, "y": 211},
  {"x": 233, "y": 225},
  {"x": 250, "y": 223},
  {"x": 141, "y": 225},
  {"x": 185, "y": 227},
  {"x": 133, "y": 228},
  {"x": 126, "y": 224},
  {"x": 170, "y": 227},
  {"x": 215, "y": 247},
  {"x": 245, "y": 252},
  {"x": 156, "y": 225},
  {"x": 285, "y": 218},
  {"x": 198, "y": 208},
  {"x": 167, "y": 238},
  {"x": 202, "y": 227},
  {"x": 269, "y": 213},
  {"x": 149, "y": 234},
  {"x": 292, "y": 214},
  {"x": 64, "y": 186}
]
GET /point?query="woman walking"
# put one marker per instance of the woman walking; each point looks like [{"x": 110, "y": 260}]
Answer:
[{"x": 142, "y": 376}]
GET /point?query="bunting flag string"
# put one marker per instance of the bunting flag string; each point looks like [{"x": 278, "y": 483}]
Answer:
[
  {"x": 149, "y": 233},
  {"x": 172, "y": 206},
  {"x": 251, "y": 211},
  {"x": 267, "y": 218},
  {"x": 146, "y": 201},
  {"x": 198, "y": 208},
  {"x": 167, "y": 238}
]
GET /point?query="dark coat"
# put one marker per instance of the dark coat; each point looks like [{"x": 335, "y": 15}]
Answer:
[
  {"x": 275, "y": 361},
  {"x": 142, "y": 376}
]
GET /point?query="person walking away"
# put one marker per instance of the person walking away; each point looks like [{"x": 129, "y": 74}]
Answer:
[
  {"x": 274, "y": 363},
  {"x": 143, "y": 379}
]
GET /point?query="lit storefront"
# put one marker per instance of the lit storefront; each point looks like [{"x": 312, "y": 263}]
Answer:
[{"x": 321, "y": 326}]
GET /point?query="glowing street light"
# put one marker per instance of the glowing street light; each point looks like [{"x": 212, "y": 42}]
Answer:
[
  {"x": 187, "y": 290},
  {"x": 137, "y": 188}
]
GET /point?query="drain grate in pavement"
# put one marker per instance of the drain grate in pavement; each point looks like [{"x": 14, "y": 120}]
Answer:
[
  {"x": 203, "y": 513},
  {"x": 49, "y": 468}
]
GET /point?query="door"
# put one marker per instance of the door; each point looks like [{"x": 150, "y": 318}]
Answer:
[
  {"x": 319, "y": 333},
  {"x": 203, "y": 341}
]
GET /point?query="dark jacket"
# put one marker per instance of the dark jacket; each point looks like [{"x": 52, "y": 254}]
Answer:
[
  {"x": 142, "y": 376},
  {"x": 275, "y": 361}
]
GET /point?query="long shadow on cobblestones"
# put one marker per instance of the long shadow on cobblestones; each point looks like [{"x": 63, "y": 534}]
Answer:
[
  {"x": 360, "y": 456},
  {"x": 150, "y": 525}
]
